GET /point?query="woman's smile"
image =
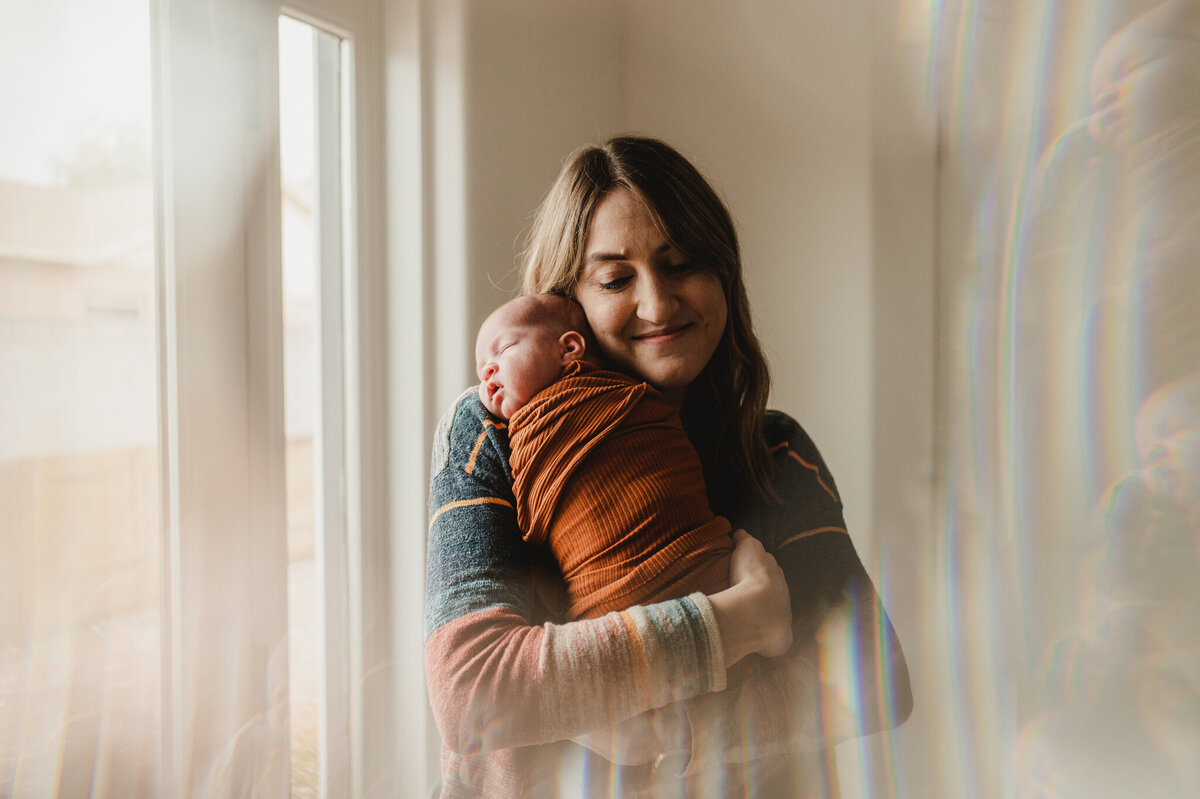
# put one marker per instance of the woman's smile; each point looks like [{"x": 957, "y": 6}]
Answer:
[
  {"x": 656, "y": 314},
  {"x": 667, "y": 335}
]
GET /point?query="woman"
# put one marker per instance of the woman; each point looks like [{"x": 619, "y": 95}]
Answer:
[{"x": 634, "y": 233}]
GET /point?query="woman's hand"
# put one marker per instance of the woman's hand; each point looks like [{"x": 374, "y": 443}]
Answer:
[{"x": 754, "y": 613}]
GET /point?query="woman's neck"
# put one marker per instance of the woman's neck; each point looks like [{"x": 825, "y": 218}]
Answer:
[{"x": 675, "y": 396}]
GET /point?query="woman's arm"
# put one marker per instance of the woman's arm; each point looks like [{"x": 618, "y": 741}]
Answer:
[
  {"x": 844, "y": 677},
  {"x": 845, "y": 674},
  {"x": 496, "y": 678},
  {"x": 753, "y": 616}
]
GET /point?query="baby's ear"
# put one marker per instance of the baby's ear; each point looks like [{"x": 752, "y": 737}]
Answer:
[{"x": 573, "y": 346}]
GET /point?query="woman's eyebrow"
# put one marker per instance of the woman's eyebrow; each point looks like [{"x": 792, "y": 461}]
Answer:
[
  {"x": 603, "y": 256},
  {"x": 620, "y": 256}
]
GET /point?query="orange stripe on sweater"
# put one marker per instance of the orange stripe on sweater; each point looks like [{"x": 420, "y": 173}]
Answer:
[
  {"x": 641, "y": 666},
  {"x": 808, "y": 533},
  {"x": 470, "y": 467},
  {"x": 806, "y": 465},
  {"x": 460, "y": 503}
]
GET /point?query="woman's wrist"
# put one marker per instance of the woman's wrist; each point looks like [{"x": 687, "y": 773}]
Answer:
[{"x": 740, "y": 635}]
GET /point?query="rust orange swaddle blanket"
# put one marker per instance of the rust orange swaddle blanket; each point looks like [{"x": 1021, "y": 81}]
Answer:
[{"x": 604, "y": 474}]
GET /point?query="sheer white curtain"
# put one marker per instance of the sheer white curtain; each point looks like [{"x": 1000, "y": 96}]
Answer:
[
  {"x": 145, "y": 628},
  {"x": 1070, "y": 136}
]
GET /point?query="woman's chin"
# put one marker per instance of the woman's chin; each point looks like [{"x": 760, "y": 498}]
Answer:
[
  {"x": 673, "y": 389},
  {"x": 668, "y": 374}
]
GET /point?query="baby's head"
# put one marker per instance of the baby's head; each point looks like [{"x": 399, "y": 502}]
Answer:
[
  {"x": 523, "y": 346},
  {"x": 1168, "y": 439}
]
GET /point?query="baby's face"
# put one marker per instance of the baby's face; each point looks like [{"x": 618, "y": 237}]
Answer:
[
  {"x": 1168, "y": 439},
  {"x": 514, "y": 360}
]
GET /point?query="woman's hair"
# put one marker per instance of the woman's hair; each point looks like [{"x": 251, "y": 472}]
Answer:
[{"x": 726, "y": 405}]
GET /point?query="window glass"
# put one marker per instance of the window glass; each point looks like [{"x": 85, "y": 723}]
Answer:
[
  {"x": 312, "y": 120},
  {"x": 79, "y": 458}
]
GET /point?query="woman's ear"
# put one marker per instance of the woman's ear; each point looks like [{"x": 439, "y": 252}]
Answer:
[{"x": 573, "y": 346}]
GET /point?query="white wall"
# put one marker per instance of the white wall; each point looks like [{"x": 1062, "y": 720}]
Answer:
[
  {"x": 770, "y": 99},
  {"x": 521, "y": 84}
]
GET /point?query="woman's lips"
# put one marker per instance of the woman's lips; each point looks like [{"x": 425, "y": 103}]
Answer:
[{"x": 664, "y": 336}]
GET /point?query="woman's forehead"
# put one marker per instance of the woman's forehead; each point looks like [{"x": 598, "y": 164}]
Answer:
[{"x": 623, "y": 219}]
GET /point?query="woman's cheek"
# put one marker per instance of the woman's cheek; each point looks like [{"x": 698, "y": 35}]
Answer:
[
  {"x": 606, "y": 328},
  {"x": 608, "y": 318}
]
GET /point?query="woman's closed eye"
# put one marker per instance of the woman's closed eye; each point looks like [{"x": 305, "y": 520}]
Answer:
[
  {"x": 613, "y": 283},
  {"x": 680, "y": 269}
]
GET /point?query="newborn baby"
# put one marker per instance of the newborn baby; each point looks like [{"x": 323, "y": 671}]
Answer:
[{"x": 603, "y": 472}]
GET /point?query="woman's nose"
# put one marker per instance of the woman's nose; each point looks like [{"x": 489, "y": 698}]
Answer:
[{"x": 657, "y": 303}]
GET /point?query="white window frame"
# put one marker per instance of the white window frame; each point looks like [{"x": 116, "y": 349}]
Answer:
[{"x": 221, "y": 392}]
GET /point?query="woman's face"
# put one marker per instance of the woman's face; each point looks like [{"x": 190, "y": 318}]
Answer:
[{"x": 654, "y": 313}]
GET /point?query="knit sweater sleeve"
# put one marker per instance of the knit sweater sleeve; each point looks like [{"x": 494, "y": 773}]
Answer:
[
  {"x": 845, "y": 675},
  {"x": 499, "y": 676}
]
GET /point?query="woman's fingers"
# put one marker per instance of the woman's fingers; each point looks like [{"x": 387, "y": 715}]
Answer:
[
  {"x": 768, "y": 602},
  {"x": 750, "y": 561}
]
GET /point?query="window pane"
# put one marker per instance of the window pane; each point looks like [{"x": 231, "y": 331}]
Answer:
[
  {"x": 79, "y": 463},
  {"x": 312, "y": 114}
]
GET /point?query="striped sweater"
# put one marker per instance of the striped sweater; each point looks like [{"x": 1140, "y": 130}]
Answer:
[
  {"x": 510, "y": 687},
  {"x": 605, "y": 476}
]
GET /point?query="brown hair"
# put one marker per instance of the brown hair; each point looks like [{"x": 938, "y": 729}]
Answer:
[{"x": 726, "y": 405}]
